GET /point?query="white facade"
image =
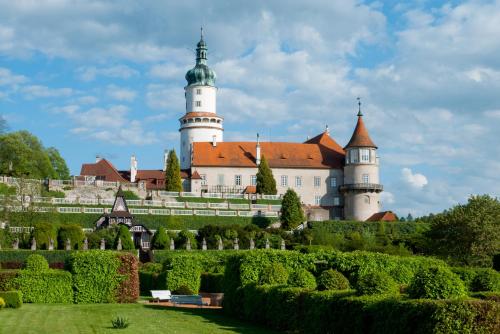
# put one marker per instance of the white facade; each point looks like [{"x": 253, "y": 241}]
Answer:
[{"x": 201, "y": 99}]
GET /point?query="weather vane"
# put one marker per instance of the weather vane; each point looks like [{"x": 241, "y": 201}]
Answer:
[{"x": 359, "y": 106}]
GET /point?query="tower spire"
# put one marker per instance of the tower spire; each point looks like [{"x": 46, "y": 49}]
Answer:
[
  {"x": 359, "y": 106},
  {"x": 201, "y": 33}
]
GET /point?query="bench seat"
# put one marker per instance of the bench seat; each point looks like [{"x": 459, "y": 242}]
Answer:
[
  {"x": 160, "y": 295},
  {"x": 188, "y": 299}
]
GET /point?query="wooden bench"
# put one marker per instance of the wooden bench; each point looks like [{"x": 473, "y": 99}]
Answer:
[
  {"x": 188, "y": 299},
  {"x": 159, "y": 295}
]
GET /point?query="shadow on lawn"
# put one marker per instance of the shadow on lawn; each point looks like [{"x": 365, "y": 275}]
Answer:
[{"x": 216, "y": 316}]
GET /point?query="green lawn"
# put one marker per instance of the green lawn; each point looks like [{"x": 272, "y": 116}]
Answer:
[{"x": 96, "y": 318}]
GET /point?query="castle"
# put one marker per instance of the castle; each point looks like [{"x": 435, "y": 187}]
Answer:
[{"x": 343, "y": 183}]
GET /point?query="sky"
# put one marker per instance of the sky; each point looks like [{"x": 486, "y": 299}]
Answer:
[{"x": 107, "y": 78}]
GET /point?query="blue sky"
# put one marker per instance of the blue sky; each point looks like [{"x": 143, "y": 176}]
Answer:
[{"x": 106, "y": 78}]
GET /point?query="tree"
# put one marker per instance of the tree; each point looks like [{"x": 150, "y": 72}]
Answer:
[
  {"x": 58, "y": 164},
  {"x": 467, "y": 234},
  {"x": 160, "y": 239},
  {"x": 266, "y": 184},
  {"x": 291, "y": 210},
  {"x": 23, "y": 155},
  {"x": 126, "y": 238},
  {"x": 173, "y": 180},
  {"x": 409, "y": 218},
  {"x": 73, "y": 232}
]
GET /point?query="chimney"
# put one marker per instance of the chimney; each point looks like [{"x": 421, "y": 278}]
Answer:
[
  {"x": 165, "y": 158},
  {"x": 214, "y": 140},
  {"x": 133, "y": 168},
  {"x": 257, "y": 153},
  {"x": 97, "y": 158}
]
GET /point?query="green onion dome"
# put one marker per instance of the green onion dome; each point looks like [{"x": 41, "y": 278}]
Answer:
[{"x": 201, "y": 74}]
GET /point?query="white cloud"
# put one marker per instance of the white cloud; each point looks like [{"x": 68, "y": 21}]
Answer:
[
  {"x": 7, "y": 78},
  {"x": 168, "y": 71},
  {"x": 88, "y": 99},
  {"x": 89, "y": 73},
  {"x": 415, "y": 180},
  {"x": 121, "y": 93},
  {"x": 69, "y": 109},
  {"x": 161, "y": 97},
  {"x": 40, "y": 91},
  {"x": 387, "y": 197}
]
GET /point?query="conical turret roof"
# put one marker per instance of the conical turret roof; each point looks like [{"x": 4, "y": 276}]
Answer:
[{"x": 360, "y": 137}]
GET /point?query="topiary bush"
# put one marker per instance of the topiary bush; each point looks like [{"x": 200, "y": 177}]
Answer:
[
  {"x": 183, "y": 271},
  {"x": 486, "y": 280},
  {"x": 36, "y": 263},
  {"x": 95, "y": 276},
  {"x": 211, "y": 282},
  {"x": 274, "y": 273},
  {"x": 128, "y": 289},
  {"x": 42, "y": 233},
  {"x": 183, "y": 290},
  {"x": 161, "y": 239},
  {"x": 49, "y": 286},
  {"x": 12, "y": 299},
  {"x": 436, "y": 283},
  {"x": 72, "y": 232},
  {"x": 125, "y": 237},
  {"x": 376, "y": 283},
  {"x": 7, "y": 278},
  {"x": 302, "y": 278},
  {"x": 332, "y": 280}
]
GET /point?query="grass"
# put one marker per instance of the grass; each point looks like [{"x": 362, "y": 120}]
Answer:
[{"x": 96, "y": 318}]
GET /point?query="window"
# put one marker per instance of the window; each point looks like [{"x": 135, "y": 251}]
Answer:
[
  {"x": 365, "y": 155},
  {"x": 198, "y": 103},
  {"x": 198, "y": 91},
  {"x": 367, "y": 199},
  {"x": 220, "y": 179},
  {"x": 203, "y": 179},
  {"x": 253, "y": 180},
  {"x": 354, "y": 155},
  {"x": 366, "y": 178},
  {"x": 333, "y": 182},
  {"x": 317, "y": 200},
  {"x": 237, "y": 180},
  {"x": 317, "y": 181},
  {"x": 298, "y": 181},
  {"x": 336, "y": 201},
  {"x": 284, "y": 180}
]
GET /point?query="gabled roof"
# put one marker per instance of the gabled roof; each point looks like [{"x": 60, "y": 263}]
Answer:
[
  {"x": 102, "y": 168},
  {"x": 321, "y": 152},
  {"x": 386, "y": 216},
  {"x": 360, "y": 137}
]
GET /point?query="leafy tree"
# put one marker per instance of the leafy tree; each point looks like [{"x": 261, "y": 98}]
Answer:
[
  {"x": 73, "y": 232},
  {"x": 182, "y": 237},
  {"x": 126, "y": 238},
  {"x": 467, "y": 234},
  {"x": 23, "y": 155},
  {"x": 266, "y": 184},
  {"x": 161, "y": 239},
  {"x": 173, "y": 180},
  {"x": 42, "y": 233},
  {"x": 409, "y": 218},
  {"x": 58, "y": 164},
  {"x": 291, "y": 210}
]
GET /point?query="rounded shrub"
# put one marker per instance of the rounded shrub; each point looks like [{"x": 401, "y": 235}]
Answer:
[
  {"x": 376, "y": 283},
  {"x": 274, "y": 273},
  {"x": 37, "y": 263},
  {"x": 302, "y": 278},
  {"x": 183, "y": 290},
  {"x": 436, "y": 283},
  {"x": 2, "y": 303},
  {"x": 332, "y": 280},
  {"x": 73, "y": 232},
  {"x": 161, "y": 239},
  {"x": 486, "y": 280}
]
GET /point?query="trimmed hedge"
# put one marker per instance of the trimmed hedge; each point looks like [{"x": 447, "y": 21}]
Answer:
[
  {"x": 210, "y": 261},
  {"x": 211, "y": 282},
  {"x": 302, "y": 278},
  {"x": 339, "y": 312},
  {"x": 436, "y": 283},
  {"x": 274, "y": 273},
  {"x": 332, "y": 280},
  {"x": 7, "y": 279},
  {"x": 183, "y": 271},
  {"x": 95, "y": 276},
  {"x": 151, "y": 277},
  {"x": 128, "y": 289},
  {"x": 49, "y": 286},
  {"x": 15, "y": 259},
  {"x": 376, "y": 283},
  {"x": 13, "y": 299}
]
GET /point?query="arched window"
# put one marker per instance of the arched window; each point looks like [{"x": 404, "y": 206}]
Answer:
[{"x": 366, "y": 199}]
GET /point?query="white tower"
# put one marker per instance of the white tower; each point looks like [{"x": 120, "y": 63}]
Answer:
[
  {"x": 361, "y": 186},
  {"x": 200, "y": 123}
]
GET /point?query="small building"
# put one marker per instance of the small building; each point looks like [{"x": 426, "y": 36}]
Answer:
[
  {"x": 384, "y": 216},
  {"x": 120, "y": 215}
]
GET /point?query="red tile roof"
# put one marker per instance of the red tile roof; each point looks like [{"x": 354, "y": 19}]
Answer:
[
  {"x": 360, "y": 137},
  {"x": 318, "y": 152},
  {"x": 104, "y": 169},
  {"x": 195, "y": 176},
  {"x": 386, "y": 216},
  {"x": 250, "y": 190}
]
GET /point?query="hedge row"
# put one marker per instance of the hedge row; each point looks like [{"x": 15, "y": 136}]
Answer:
[
  {"x": 86, "y": 220},
  {"x": 347, "y": 227},
  {"x": 340, "y": 312},
  {"x": 15, "y": 259},
  {"x": 50, "y": 286},
  {"x": 7, "y": 279},
  {"x": 13, "y": 299}
]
